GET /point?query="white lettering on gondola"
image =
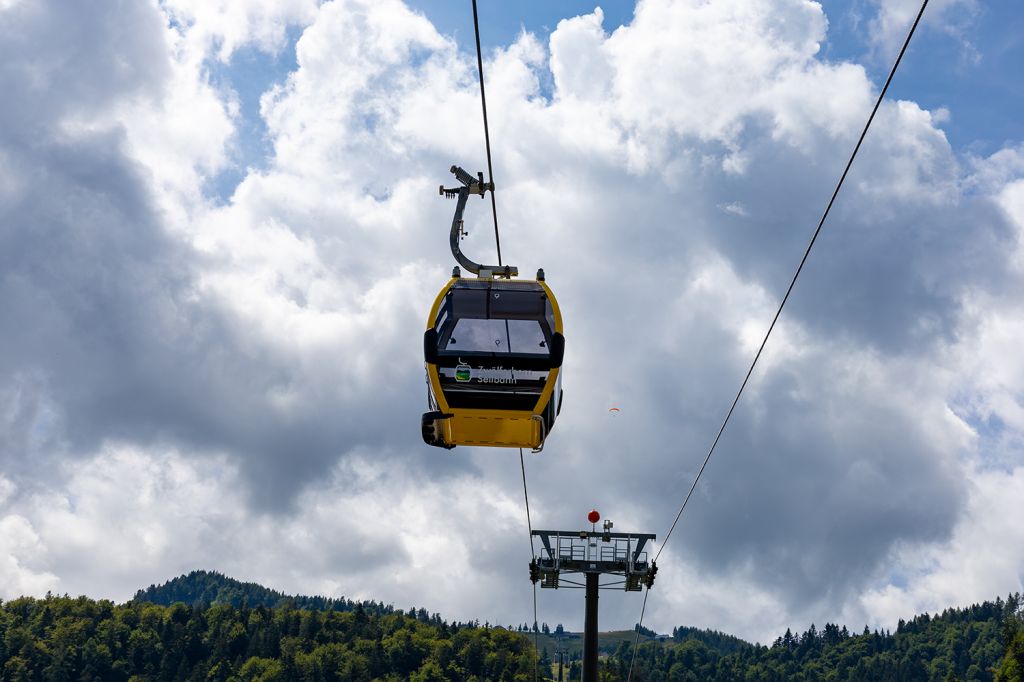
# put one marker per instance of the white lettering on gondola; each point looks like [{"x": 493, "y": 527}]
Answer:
[
  {"x": 464, "y": 373},
  {"x": 497, "y": 380}
]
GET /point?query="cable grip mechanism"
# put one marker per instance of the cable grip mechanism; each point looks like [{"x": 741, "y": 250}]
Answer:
[{"x": 470, "y": 185}]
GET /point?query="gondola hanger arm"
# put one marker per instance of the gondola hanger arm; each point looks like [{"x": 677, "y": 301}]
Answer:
[{"x": 470, "y": 185}]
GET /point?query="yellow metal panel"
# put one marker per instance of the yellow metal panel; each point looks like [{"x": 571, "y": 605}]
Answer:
[
  {"x": 493, "y": 428},
  {"x": 435, "y": 387},
  {"x": 549, "y": 388},
  {"x": 554, "y": 308}
]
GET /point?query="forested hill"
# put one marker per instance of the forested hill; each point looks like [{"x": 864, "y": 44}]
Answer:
[
  {"x": 208, "y": 588},
  {"x": 957, "y": 645},
  {"x": 714, "y": 639},
  {"x": 62, "y": 638},
  {"x": 225, "y": 630}
]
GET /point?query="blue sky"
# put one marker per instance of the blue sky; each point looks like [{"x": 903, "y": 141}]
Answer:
[
  {"x": 210, "y": 356},
  {"x": 969, "y": 68}
]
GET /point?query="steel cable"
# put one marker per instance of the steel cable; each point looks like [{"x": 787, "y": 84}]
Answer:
[
  {"x": 529, "y": 527},
  {"x": 487, "y": 132},
  {"x": 636, "y": 640},
  {"x": 497, "y": 244},
  {"x": 792, "y": 282},
  {"x": 785, "y": 298}
]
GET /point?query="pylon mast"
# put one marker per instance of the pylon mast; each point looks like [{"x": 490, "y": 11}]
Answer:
[{"x": 593, "y": 553}]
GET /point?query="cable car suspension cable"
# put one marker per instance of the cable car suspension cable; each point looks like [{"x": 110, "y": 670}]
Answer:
[
  {"x": 497, "y": 244},
  {"x": 636, "y": 640},
  {"x": 785, "y": 298},
  {"x": 796, "y": 274},
  {"x": 529, "y": 527},
  {"x": 487, "y": 132}
]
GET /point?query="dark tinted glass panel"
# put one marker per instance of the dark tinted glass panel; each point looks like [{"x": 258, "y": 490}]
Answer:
[
  {"x": 493, "y": 323},
  {"x": 469, "y": 303},
  {"x": 526, "y": 336},
  {"x": 478, "y": 336},
  {"x": 497, "y": 336},
  {"x": 517, "y": 305}
]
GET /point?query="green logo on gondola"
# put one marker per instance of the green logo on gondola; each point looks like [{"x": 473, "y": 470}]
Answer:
[{"x": 463, "y": 372}]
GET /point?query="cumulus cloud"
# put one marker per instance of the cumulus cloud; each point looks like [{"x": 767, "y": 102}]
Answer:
[
  {"x": 110, "y": 321},
  {"x": 892, "y": 20},
  {"x": 234, "y": 385},
  {"x": 223, "y": 26},
  {"x": 126, "y": 518},
  {"x": 20, "y": 549},
  {"x": 984, "y": 551}
]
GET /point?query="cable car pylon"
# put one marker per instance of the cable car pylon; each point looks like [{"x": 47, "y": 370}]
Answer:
[{"x": 593, "y": 553}]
